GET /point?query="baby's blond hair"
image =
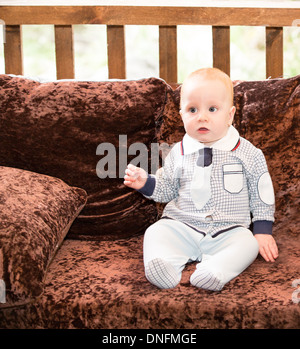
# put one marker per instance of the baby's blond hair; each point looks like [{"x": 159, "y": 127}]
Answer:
[{"x": 211, "y": 74}]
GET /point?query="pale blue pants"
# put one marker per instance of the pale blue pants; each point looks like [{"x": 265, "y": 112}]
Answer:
[{"x": 170, "y": 244}]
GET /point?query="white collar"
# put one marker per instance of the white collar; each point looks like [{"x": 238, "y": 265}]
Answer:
[{"x": 229, "y": 142}]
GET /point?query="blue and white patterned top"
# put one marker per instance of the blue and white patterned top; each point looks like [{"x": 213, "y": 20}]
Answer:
[{"x": 218, "y": 196}]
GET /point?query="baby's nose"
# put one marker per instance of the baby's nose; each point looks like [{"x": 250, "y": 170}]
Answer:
[{"x": 202, "y": 116}]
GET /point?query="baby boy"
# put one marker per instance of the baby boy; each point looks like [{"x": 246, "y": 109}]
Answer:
[{"x": 213, "y": 181}]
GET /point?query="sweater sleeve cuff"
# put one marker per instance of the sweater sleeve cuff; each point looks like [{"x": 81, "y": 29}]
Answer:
[
  {"x": 262, "y": 227},
  {"x": 149, "y": 186}
]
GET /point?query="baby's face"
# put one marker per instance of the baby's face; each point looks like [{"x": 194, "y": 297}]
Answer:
[{"x": 206, "y": 109}]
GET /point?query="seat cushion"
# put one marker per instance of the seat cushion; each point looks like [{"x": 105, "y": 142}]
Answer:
[{"x": 101, "y": 284}]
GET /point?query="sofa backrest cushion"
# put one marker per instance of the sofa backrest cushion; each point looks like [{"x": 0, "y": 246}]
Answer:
[
  {"x": 268, "y": 116},
  {"x": 69, "y": 129}
]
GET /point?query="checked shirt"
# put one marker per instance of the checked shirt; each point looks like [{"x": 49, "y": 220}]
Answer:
[{"x": 233, "y": 190}]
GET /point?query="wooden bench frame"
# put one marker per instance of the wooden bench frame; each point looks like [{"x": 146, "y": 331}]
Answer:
[{"x": 167, "y": 17}]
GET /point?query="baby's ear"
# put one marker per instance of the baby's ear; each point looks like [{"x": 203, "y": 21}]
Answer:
[{"x": 231, "y": 114}]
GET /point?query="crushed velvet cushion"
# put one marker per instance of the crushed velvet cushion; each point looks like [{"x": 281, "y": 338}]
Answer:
[
  {"x": 55, "y": 128},
  {"x": 36, "y": 212},
  {"x": 102, "y": 285},
  {"x": 268, "y": 116}
]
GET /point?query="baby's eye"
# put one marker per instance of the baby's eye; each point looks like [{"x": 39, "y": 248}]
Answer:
[
  {"x": 193, "y": 110},
  {"x": 213, "y": 109}
]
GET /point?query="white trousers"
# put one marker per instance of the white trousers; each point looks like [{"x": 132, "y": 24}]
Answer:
[{"x": 170, "y": 244}]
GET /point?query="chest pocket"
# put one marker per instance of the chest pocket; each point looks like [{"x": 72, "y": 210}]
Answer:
[{"x": 233, "y": 178}]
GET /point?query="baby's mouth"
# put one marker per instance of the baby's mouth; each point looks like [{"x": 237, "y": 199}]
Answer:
[{"x": 203, "y": 129}]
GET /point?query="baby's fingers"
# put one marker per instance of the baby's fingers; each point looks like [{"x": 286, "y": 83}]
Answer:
[
  {"x": 128, "y": 183},
  {"x": 132, "y": 171},
  {"x": 132, "y": 174},
  {"x": 274, "y": 249},
  {"x": 129, "y": 178},
  {"x": 266, "y": 254}
]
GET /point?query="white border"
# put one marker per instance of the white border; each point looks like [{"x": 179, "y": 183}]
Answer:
[{"x": 159, "y": 3}]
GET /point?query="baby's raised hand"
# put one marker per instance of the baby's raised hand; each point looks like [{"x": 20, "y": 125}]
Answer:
[{"x": 135, "y": 177}]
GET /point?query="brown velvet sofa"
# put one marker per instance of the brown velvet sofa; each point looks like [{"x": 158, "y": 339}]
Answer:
[{"x": 71, "y": 242}]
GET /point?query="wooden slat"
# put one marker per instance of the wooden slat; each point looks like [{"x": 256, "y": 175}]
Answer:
[
  {"x": 13, "y": 50},
  {"x": 64, "y": 52},
  {"x": 151, "y": 15},
  {"x": 274, "y": 52},
  {"x": 116, "y": 52},
  {"x": 221, "y": 48},
  {"x": 168, "y": 53}
]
